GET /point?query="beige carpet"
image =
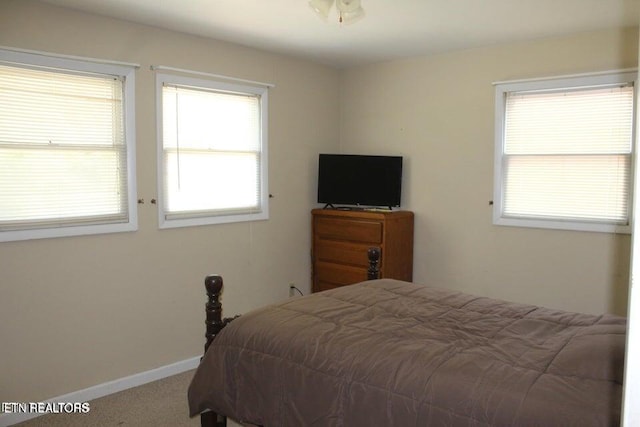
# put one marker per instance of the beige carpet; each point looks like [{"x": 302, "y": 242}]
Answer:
[{"x": 160, "y": 403}]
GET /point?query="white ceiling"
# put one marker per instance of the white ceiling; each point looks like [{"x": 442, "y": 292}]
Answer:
[{"x": 391, "y": 28}]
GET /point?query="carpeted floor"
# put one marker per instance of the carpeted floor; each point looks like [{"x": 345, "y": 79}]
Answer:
[{"x": 159, "y": 403}]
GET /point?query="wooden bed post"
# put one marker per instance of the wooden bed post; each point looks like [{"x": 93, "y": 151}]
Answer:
[
  {"x": 374, "y": 256},
  {"x": 214, "y": 322},
  {"x": 213, "y": 308}
]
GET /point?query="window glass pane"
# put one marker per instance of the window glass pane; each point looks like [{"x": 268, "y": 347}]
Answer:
[
  {"x": 211, "y": 181},
  {"x": 594, "y": 121},
  {"x": 50, "y": 107},
  {"x": 210, "y": 120},
  {"x": 564, "y": 152},
  {"x": 71, "y": 183},
  {"x": 212, "y": 143},
  {"x": 592, "y": 188},
  {"x": 63, "y": 150}
]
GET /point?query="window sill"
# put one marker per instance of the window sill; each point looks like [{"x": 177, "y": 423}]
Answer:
[{"x": 562, "y": 225}]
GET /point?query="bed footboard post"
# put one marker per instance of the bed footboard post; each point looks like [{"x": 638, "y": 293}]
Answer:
[
  {"x": 214, "y": 322},
  {"x": 213, "y": 308},
  {"x": 374, "y": 256}
]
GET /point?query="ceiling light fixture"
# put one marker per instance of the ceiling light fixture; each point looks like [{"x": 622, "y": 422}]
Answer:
[{"x": 349, "y": 11}]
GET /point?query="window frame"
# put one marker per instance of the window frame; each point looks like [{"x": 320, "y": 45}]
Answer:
[
  {"x": 211, "y": 218},
  {"x": 75, "y": 64},
  {"x": 627, "y": 76}
]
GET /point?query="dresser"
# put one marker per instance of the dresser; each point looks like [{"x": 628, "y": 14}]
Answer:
[{"x": 341, "y": 239}]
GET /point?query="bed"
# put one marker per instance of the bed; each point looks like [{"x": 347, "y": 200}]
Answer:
[{"x": 391, "y": 353}]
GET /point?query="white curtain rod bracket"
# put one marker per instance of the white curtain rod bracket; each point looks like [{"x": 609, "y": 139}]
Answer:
[{"x": 217, "y": 76}]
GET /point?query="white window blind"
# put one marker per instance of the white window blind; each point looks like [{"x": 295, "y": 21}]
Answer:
[
  {"x": 566, "y": 155},
  {"x": 213, "y": 154},
  {"x": 63, "y": 151}
]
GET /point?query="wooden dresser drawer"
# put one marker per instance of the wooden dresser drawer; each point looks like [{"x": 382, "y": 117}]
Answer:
[
  {"x": 350, "y": 230},
  {"x": 338, "y": 274},
  {"x": 342, "y": 253}
]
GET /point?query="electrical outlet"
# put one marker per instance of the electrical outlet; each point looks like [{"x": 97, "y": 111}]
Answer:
[{"x": 292, "y": 289}]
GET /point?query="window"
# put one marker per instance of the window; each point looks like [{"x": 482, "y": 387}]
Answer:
[
  {"x": 66, "y": 147},
  {"x": 564, "y": 152},
  {"x": 212, "y": 148}
]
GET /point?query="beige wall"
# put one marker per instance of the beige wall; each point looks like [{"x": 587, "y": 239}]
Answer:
[
  {"x": 438, "y": 112},
  {"x": 76, "y": 312}
]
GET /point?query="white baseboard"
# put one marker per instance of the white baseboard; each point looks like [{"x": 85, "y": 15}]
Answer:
[{"x": 107, "y": 388}]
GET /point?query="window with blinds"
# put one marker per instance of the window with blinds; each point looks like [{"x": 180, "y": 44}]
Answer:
[
  {"x": 564, "y": 153},
  {"x": 64, "y": 147},
  {"x": 212, "y": 140}
]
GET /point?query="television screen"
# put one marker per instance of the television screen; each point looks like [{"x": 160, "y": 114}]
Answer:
[{"x": 348, "y": 179}]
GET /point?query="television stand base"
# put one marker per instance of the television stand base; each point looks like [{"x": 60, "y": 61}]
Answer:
[{"x": 359, "y": 208}]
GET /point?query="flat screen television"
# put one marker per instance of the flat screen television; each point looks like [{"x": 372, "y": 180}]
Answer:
[{"x": 359, "y": 180}]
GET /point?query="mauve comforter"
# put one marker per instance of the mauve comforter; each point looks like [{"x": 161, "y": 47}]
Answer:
[{"x": 391, "y": 353}]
